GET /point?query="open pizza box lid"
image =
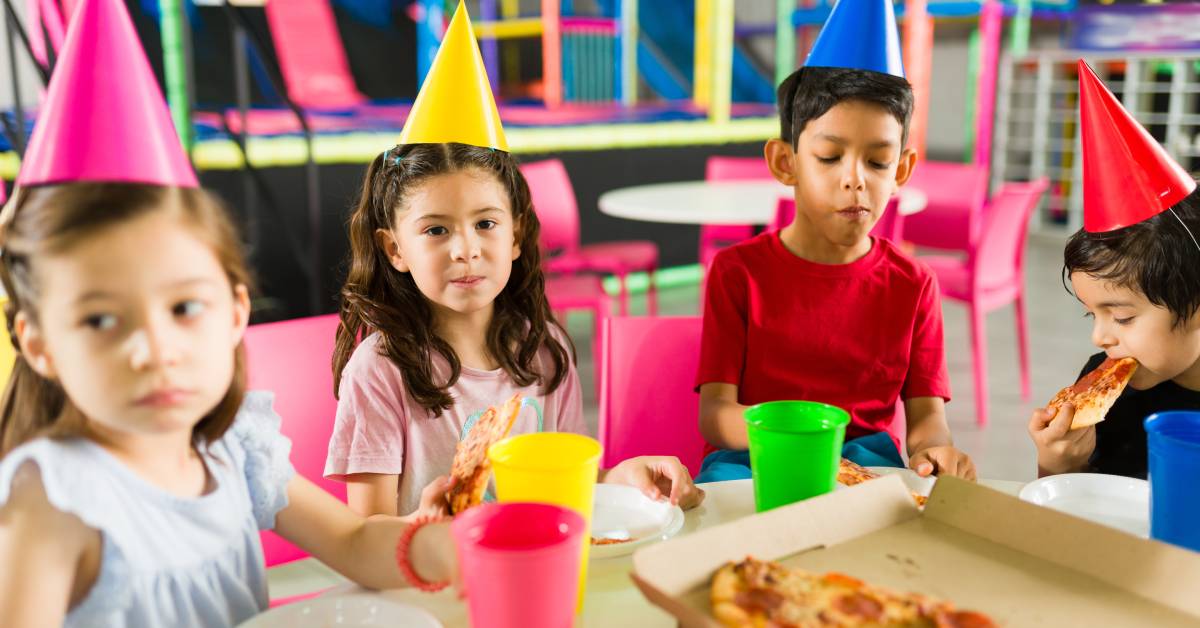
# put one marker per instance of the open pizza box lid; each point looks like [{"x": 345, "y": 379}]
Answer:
[{"x": 983, "y": 550}]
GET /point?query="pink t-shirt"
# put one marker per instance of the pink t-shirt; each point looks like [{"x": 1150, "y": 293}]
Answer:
[{"x": 379, "y": 429}]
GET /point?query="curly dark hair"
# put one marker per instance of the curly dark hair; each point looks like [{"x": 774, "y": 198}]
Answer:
[
  {"x": 378, "y": 298},
  {"x": 1157, "y": 257}
]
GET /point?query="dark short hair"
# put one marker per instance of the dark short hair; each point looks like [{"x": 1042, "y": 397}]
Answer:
[
  {"x": 1156, "y": 257},
  {"x": 812, "y": 91}
]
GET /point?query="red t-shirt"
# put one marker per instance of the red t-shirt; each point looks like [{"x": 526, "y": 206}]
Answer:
[{"x": 858, "y": 336}]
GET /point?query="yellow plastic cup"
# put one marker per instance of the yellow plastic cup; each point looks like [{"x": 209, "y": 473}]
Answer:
[{"x": 550, "y": 468}]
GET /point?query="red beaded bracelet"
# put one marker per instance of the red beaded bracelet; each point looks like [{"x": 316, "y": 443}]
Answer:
[{"x": 402, "y": 558}]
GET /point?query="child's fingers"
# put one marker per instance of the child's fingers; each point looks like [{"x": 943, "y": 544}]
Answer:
[
  {"x": 1041, "y": 418},
  {"x": 1061, "y": 423}
]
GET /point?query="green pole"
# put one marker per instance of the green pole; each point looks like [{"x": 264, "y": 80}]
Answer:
[
  {"x": 1019, "y": 40},
  {"x": 785, "y": 40},
  {"x": 972, "y": 86},
  {"x": 175, "y": 68}
]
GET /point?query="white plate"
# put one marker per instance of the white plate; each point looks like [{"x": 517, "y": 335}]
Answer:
[
  {"x": 354, "y": 609},
  {"x": 915, "y": 483},
  {"x": 623, "y": 512},
  {"x": 1113, "y": 500}
]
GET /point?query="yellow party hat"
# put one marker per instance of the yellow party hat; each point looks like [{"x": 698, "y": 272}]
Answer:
[{"x": 455, "y": 103}]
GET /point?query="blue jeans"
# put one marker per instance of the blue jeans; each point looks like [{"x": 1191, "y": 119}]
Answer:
[{"x": 873, "y": 450}]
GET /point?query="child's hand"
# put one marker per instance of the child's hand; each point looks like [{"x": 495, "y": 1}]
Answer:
[
  {"x": 1060, "y": 449},
  {"x": 656, "y": 476},
  {"x": 942, "y": 460},
  {"x": 433, "y": 499}
]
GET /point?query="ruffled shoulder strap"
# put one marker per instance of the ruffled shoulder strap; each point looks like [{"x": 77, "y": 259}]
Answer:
[{"x": 262, "y": 451}]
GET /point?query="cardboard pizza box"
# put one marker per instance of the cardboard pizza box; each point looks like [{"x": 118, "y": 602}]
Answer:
[{"x": 983, "y": 550}]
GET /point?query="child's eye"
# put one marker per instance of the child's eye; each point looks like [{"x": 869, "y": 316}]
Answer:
[
  {"x": 486, "y": 224},
  {"x": 1089, "y": 315},
  {"x": 878, "y": 166},
  {"x": 1123, "y": 321},
  {"x": 436, "y": 231},
  {"x": 188, "y": 309},
  {"x": 101, "y": 322},
  {"x": 829, "y": 160}
]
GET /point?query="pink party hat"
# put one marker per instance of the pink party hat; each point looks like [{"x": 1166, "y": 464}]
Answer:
[{"x": 104, "y": 118}]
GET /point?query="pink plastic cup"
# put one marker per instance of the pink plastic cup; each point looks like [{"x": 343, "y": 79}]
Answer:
[{"x": 520, "y": 564}]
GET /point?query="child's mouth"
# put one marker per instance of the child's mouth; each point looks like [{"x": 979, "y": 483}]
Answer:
[
  {"x": 467, "y": 282},
  {"x": 856, "y": 212}
]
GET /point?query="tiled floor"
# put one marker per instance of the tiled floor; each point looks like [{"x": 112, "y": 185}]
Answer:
[{"x": 1059, "y": 347}]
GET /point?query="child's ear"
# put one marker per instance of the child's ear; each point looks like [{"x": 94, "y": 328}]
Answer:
[
  {"x": 33, "y": 346},
  {"x": 906, "y": 165},
  {"x": 387, "y": 243},
  {"x": 241, "y": 312},
  {"x": 781, "y": 159}
]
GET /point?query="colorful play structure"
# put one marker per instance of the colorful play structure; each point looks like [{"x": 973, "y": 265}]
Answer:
[{"x": 629, "y": 73}]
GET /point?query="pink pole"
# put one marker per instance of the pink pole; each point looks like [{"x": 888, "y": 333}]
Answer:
[{"x": 991, "y": 24}]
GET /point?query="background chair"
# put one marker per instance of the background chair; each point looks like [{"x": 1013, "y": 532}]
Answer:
[
  {"x": 648, "y": 403},
  {"x": 713, "y": 238},
  {"x": 294, "y": 360},
  {"x": 992, "y": 276},
  {"x": 557, "y": 210}
]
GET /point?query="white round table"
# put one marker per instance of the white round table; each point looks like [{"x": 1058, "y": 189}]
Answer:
[
  {"x": 715, "y": 202},
  {"x": 611, "y": 598}
]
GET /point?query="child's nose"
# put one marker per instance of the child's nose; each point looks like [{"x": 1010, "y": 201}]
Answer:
[
  {"x": 152, "y": 347},
  {"x": 465, "y": 247},
  {"x": 1102, "y": 337},
  {"x": 852, "y": 177}
]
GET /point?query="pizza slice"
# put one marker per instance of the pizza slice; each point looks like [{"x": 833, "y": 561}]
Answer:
[
  {"x": 764, "y": 593},
  {"x": 851, "y": 473},
  {"x": 1095, "y": 393},
  {"x": 472, "y": 469}
]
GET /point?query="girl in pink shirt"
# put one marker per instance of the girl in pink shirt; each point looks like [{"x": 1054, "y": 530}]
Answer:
[{"x": 444, "y": 313}]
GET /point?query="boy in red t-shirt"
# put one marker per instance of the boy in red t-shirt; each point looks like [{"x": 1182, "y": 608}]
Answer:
[{"x": 820, "y": 310}]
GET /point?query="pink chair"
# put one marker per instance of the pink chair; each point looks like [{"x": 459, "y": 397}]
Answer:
[
  {"x": 890, "y": 225},
  {"x": 951, "y": 218},
  {"x": 648, "y": 404},
  {"x": 713, "y": 238},
  {"x": 992, "y": 276},
  {"x": 293, "y": 359},
  {"x": 311, "y": 55},
  {"x": 579, "y": 292},
  {"x": 557, "y": 210}
]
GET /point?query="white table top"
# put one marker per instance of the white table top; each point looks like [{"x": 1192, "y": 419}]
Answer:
[
  {"x": 715, "y": 202},
  {"x": 611, "y": 599}
]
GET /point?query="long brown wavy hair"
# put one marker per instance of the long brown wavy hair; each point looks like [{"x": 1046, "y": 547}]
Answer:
[
  {"x": 50, "y": 220},
  {"x": 378, "y": 298}
]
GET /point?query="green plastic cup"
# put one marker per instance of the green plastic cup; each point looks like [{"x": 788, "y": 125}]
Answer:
[{"x": 795, "y": 448}]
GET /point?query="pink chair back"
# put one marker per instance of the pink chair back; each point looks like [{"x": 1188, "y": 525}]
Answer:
[
  {"x": 732, "y": 169},
  {"x": 998, "y": 258},
  {"x": 311, "y": 55},
  {"x": 648, "y": 403},
  {"x": 293, "y": 359},
  {"x": 956, "y": 194},
  {"x": 890, "y": 225},
  {"x": 555, "y": 204}
]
